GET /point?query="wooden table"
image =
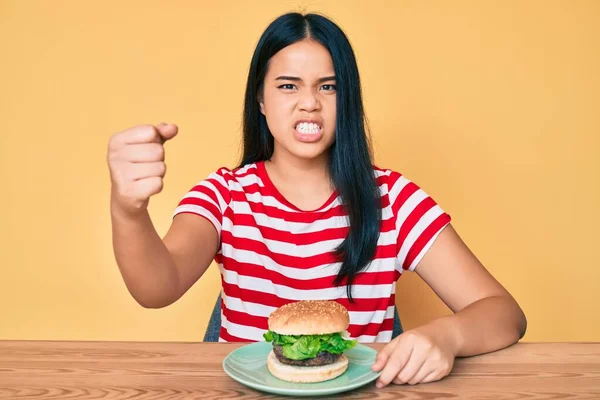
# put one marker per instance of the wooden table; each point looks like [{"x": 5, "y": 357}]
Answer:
[{"x": 116, "y": 370}]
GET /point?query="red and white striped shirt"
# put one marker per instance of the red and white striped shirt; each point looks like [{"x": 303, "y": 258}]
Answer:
[{"x": 271, "y": 253}]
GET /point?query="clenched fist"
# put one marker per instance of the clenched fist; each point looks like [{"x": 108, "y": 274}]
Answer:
[{"x": 136, "y": 160}]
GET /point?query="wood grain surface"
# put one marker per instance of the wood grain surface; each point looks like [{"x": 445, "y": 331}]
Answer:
[{"x": 159, "y": 371}]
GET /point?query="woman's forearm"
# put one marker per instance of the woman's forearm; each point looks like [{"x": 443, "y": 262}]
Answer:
[
  {"x": 145, "y": 263},
  {"x": 484, "y": 326}
]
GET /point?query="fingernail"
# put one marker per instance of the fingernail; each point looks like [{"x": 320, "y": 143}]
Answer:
[{"x": 379, "y": 385}]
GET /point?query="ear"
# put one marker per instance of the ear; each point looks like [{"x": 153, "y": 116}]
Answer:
[{"x": 261, "y": 104}]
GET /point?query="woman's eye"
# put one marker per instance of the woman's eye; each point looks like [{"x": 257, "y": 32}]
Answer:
[
  {"x": 288, "y": 86},
  {"x": 329, "y": 87}
]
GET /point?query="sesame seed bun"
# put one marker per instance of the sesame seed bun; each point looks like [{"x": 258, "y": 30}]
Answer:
[
  {"x": 293, "y": 373},
  {"x": 309, "y": 317}
]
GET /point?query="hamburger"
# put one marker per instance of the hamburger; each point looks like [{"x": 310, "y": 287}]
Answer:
[{"x": 309, "y": 339}]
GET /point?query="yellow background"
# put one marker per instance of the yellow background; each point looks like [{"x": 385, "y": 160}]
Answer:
[{"x": 492, "y": 107}]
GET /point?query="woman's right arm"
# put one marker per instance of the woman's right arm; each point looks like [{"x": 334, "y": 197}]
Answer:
[{"x": 157, "y": 272}]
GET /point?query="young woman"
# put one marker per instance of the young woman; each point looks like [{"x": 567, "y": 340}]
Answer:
[{"x": 306, "y": 215}]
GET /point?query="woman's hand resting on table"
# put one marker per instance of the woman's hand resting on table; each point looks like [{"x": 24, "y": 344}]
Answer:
[{"x": 420, "y": 355}]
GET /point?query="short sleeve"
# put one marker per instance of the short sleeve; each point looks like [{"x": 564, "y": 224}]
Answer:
[
  {"x": 419, "y": 221},
  {"x": 208, "y": 198}
]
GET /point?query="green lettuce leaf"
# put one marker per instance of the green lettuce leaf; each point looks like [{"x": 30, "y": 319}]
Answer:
[{"x": 302, "y": 347}]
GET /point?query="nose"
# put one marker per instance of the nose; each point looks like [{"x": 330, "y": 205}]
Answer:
[{"x": 309, "y": 102}]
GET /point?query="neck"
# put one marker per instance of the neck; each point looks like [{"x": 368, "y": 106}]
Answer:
[{"x": 302, "y": 172}]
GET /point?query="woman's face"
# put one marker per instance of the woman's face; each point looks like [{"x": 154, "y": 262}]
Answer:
[{"x": 299, "y": 100}]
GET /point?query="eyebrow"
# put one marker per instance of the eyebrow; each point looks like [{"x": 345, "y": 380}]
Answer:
[{"x": 297, "y": 79}]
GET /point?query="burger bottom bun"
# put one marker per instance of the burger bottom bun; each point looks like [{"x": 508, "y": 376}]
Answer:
[{"x": 292, "y": 373}]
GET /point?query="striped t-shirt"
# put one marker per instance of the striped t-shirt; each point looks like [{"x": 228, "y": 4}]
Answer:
[{"x": 272, "y": 253}]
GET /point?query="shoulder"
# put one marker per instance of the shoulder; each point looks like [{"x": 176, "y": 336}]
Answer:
[
  {"x": 233, "y": 178},
  {"x": 384, "y": 174},
  {"x": 389, "y": 179},
  {"x": 400, "y": 189}
]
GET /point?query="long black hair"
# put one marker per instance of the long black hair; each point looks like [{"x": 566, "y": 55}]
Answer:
[{"x": 350, "y": 156}]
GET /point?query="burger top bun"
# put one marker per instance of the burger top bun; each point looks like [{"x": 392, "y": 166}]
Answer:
[{"x": 309, "y": 317}]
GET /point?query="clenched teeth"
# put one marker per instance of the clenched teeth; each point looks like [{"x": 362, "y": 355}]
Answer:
[{"x": 308, "y": 128}]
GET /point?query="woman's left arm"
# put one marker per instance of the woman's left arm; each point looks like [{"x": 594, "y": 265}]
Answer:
[{"x": 486, "y": 317}]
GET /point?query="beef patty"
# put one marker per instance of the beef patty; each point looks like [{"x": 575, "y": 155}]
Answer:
[{"x": 322, "y": 358}]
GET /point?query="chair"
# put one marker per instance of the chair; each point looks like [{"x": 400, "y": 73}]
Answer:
[{"x": 214, "y": 324}]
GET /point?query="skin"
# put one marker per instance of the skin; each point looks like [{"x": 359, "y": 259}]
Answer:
[{"x": 158, "y": 272}]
